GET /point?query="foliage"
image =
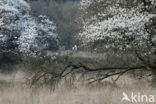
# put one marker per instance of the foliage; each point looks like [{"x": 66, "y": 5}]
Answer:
[
  {"x": 121, "y": 24},
  {"x": 115, "y": 25},
  {"x": 22, "y": 33}
]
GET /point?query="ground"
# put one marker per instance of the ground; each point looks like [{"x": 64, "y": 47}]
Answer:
[{"x": 14, "y": 90}]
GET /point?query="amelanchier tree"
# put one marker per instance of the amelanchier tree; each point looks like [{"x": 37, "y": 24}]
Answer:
[
  {"x": 21, "y": 33},
  {"x": 121, "y": 24}
]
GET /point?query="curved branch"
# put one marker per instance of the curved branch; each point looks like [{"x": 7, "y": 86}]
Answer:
[
  {"x": 113, "y": 74},
  {"x": 103, "y": 76},
  {"x": 102, "y": 69}
]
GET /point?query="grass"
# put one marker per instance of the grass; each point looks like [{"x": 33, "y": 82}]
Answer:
[{"x": 13, "y": 90}]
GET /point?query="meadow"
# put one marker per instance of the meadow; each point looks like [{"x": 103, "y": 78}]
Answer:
[{"x": 14, "y": 90}]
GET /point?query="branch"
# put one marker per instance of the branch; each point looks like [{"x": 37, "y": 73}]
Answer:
[
  {"x": 101, "y": 69},
  {"x": 103, "y": 76},
  {"x": 110, "y": 75},
  {"x": 71, "y": 68}
]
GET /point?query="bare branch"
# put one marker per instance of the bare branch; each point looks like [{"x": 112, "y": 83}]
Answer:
[
  {"x": 113, "y": 74},
  {"x": 103, "y": 68}
]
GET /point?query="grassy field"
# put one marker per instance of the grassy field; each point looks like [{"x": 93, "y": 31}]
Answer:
[{"x": 13, "y": 90}]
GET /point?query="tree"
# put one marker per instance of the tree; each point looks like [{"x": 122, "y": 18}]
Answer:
[
  {"x": 120, "y": 24},
  {"x": 21, "y": 33}
]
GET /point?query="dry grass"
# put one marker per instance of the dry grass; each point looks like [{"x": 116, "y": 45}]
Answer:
[{"x": 14, "y": 91}]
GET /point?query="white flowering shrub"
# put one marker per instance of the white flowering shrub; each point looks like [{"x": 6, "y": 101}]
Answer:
[
  {"x": 21, "y": 32},
  {"x": 47, "y": 38},
  {"x": 121, "y": 24}
]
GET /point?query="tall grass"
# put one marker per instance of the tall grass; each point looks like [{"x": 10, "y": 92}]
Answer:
[{"x": 13, "y": 90}]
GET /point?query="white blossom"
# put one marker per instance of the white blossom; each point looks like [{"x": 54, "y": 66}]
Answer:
[
  {"x": 15, "y": 16},
  {"x": 130, "y": 20}
]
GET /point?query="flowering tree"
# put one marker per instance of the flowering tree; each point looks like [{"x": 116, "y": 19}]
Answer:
[
  {"x": 121, "y": 24},
  {"x": 22, "y": 33}
]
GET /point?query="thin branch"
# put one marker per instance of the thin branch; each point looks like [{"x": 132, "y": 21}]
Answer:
[
  {"x": 110, "y": 75},
  {"x": 68, "y": 73},
  {"x": 114, "y": 80}
]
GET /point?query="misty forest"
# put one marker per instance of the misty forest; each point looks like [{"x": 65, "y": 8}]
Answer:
[{"x": 77, "y": 51}]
